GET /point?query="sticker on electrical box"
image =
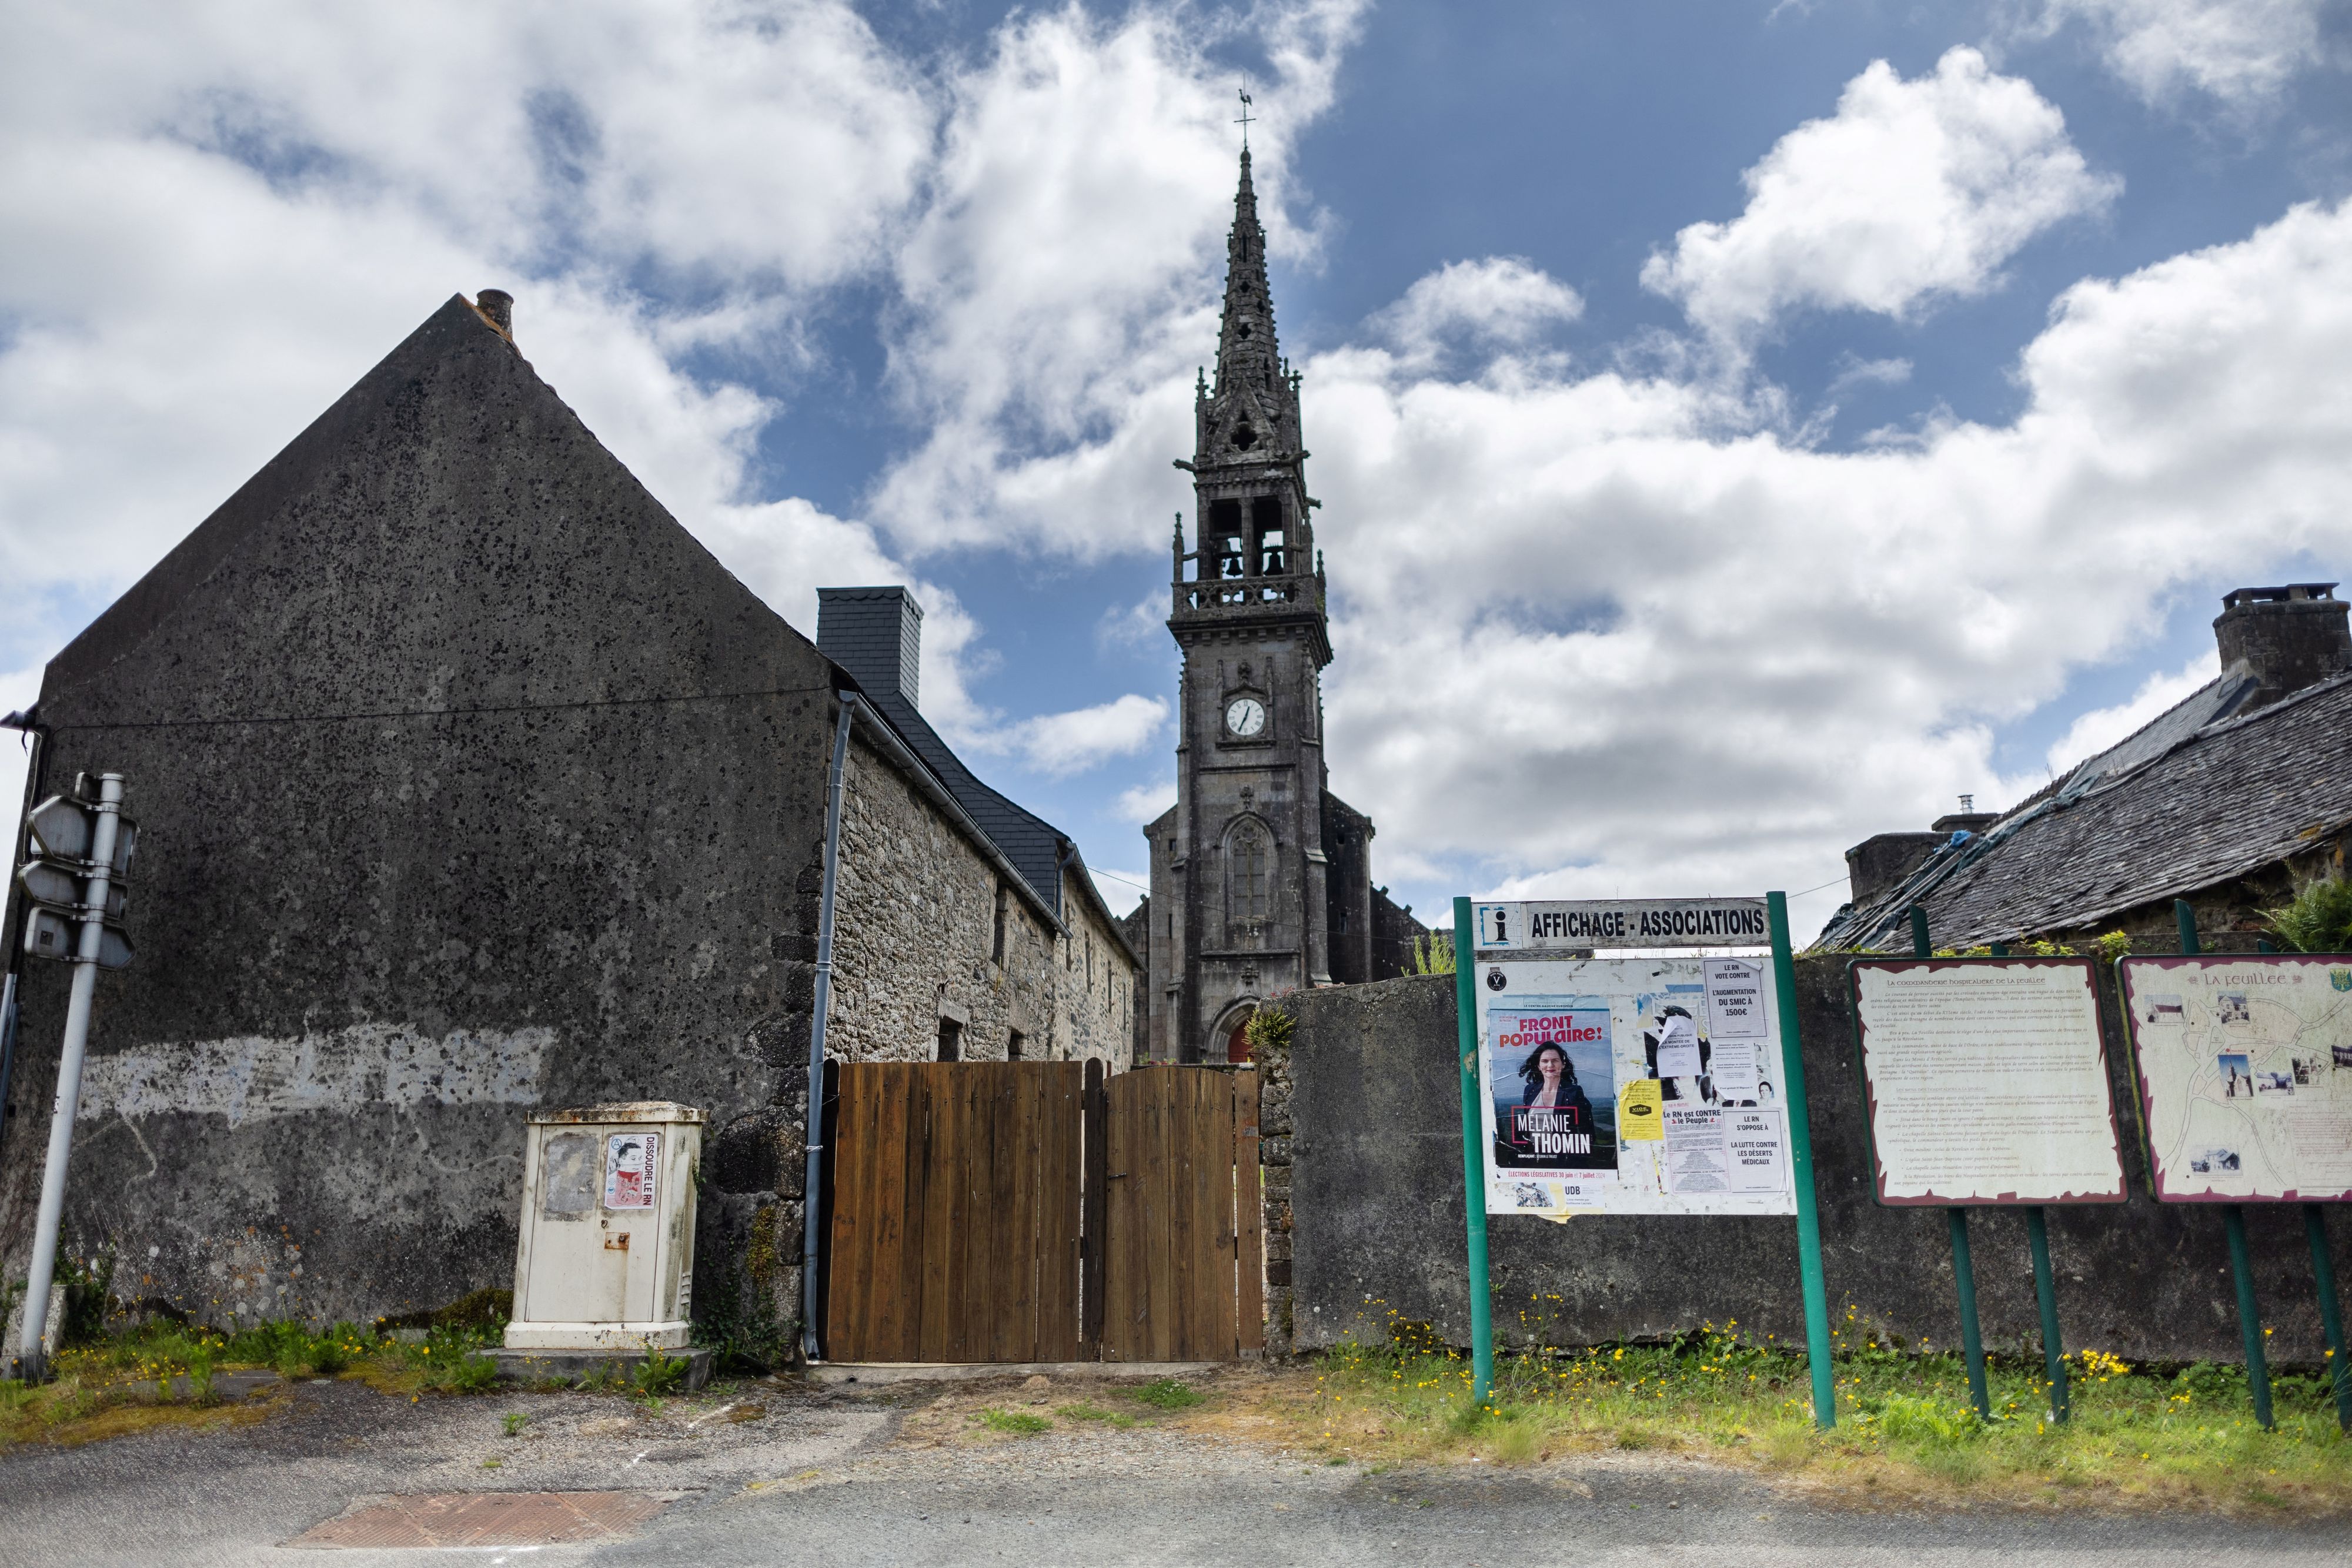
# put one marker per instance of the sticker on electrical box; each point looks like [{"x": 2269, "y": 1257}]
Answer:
[{"x": 629, "y": 1169}]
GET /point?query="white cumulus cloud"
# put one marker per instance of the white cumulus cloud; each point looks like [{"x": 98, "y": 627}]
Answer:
[
  {"x": 1499, "y": 300},
  {"x": 1911, "y": 192},
  {"x": 2240, "y": 52},
  {"x": 1063, "y": 743},
  {"x": 2093, "y": 732}
]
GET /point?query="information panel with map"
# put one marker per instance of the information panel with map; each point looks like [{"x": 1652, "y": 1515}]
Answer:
[
  {"x": 2245, "y": 1075},
  {"x": 1986, "y": 1081}
]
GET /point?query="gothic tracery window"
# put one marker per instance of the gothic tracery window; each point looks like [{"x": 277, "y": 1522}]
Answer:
[{"x": 1248, "y": 873}]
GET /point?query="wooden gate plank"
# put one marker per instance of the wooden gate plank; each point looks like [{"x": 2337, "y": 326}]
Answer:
[
  {"x": 1016, "y": 1123},
  {"x": 1212, "y": 1258},
  {"x": 1059, "y": 1195},
  {"x": 853, "y": 1221},
  {"x": 936, "y": 1199},
  {"x": 1095, "y": 1273},
  {"x": 904, "y": 1109},
  {"x": 1249, "y": 1247},
  {"x": 844, "y": 1231}
]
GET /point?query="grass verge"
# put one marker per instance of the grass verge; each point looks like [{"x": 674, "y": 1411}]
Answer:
[
  {"x": 160, "y": 1373},
  {"x": 1905, "y": 1429}
]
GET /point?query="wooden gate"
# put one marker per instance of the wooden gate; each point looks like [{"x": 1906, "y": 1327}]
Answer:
[
  {"x": 955, "y": 1212},
  {"x": 1033, "y": 1211},
  {"x": 1184, "y": 1279}
]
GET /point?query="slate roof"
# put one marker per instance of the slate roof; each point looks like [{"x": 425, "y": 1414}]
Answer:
[
  {"x": 2179, "y": 805},
  {"x": 1034, "y": 845}
]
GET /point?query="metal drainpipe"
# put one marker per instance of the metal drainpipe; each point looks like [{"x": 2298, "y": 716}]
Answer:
[{"x": 810, "y": 1219}]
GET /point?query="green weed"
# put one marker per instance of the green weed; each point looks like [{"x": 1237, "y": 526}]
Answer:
[
  {"x": 1083, "y": 1411},
  {"x": 1167, "y": 1393},
  {"x": 1020, "y": 1423}
]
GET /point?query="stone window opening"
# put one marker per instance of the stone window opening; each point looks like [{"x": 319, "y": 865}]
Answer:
[
  {"x": 1225, "y": 527},
  {"x": 1014, "y": 1042},
  {"x": 996, "y": 942},
  {"x": 1246, "y": 869},
  {"x": 951, "y": 1040}
]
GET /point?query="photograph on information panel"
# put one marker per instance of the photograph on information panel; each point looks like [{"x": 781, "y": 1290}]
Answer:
[{"x": 1986, "y": 1081}]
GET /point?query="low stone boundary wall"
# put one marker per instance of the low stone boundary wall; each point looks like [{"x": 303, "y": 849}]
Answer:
[{"x": 1364, "y": 1219}]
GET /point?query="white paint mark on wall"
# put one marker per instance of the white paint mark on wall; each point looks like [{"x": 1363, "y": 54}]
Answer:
[{"x": 255, "y": 1076}]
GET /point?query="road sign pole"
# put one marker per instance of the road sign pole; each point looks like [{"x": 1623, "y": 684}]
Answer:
[
  {"x": 1800, "y": 1166},
  {"x": 33, "y": 1351},
  {"x": 2234, "y": 1224},
  {"x": 1473, "y": 1155}
]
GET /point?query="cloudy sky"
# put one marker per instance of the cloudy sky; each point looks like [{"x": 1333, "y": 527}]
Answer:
[{"x": 1742, "y": 428}]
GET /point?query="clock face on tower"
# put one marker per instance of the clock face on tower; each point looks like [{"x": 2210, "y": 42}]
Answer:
[{"x": 1246, "y": 718}]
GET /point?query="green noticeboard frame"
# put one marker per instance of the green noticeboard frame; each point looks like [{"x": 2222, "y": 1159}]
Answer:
[{"x": 1801, "y": 1161}]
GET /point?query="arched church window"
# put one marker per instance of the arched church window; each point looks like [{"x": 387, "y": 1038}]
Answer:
[{"x": 1249, "y": 873}]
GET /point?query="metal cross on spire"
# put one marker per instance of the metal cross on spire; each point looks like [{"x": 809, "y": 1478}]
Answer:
[{"x": 1247, "y": 119}]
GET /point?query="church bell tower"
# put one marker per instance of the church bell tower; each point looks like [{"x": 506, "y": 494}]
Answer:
[{"x": 1241, "y": 907}]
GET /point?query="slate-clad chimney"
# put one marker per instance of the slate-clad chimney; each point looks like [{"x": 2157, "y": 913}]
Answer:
[
  {"x": 2285, "y": 637},
  {"x": 875, "y": 634}
]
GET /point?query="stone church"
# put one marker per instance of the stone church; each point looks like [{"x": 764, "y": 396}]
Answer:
[{"x": 1261, "y": 877}]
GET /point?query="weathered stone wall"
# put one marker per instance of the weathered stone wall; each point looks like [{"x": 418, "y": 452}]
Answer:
[
  {"x": 1094, "y": 1013},
  {"x": 1275, "y": 1130},
  {"x": 467, "y": 783},
  {"x": 1375, "y": 1206},
  {"x": 915, "y": 941}
]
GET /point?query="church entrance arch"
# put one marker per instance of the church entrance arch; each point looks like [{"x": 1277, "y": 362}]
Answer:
[{"x": 1229, "y": 1041}]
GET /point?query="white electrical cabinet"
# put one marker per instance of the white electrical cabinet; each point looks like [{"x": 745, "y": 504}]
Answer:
[{"x": 605, "y": 1260}]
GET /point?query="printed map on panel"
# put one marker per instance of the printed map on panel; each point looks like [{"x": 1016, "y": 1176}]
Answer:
[{"x": 2245, "y": 1068}]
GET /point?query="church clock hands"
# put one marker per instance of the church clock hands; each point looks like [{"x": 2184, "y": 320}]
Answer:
[{"x": 1245, "y": 717}]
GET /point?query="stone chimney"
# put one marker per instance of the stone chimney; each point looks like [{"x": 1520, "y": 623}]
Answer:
[
  {"x": 2285, "y": 637},
  {"x": 875, "y": 634},
  {"x": 497, "y": 306}
]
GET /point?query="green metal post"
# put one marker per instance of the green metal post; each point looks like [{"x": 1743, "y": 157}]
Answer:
[
  {"x": 1955, "y": 1218},
  {"x": 2331, "y": 1319},
  {"x": 2249, "y": 1317},
  {"x": 1801, "y": 1167},
  {"x": 2234, "y": 1222},
  {"x": 1964, "y": 1274},
  {"x": 2045, "y": 1294},
  {"x": 1473, "y": 1155}
]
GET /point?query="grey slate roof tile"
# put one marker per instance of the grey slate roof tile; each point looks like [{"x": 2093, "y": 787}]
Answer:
[{"x": 2210, "y": 804}]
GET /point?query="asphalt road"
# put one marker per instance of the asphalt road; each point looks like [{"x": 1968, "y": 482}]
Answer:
[{"x": 814, "y": 1478}]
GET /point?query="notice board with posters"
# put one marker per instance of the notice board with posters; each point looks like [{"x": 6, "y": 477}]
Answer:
[
  {"x": 1985, "y": 1082},
  {"x": 1629, "y": 1085},
  {"x": 2245, "y": 1067}
]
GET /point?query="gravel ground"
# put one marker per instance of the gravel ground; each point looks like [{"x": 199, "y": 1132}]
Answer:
[{"x": 776, "y": 1473}]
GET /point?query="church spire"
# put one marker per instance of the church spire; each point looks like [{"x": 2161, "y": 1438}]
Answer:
[{"x": 1253, "y": 405}]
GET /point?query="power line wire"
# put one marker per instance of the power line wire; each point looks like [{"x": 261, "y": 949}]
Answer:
[{"x": 433, "y": 712}]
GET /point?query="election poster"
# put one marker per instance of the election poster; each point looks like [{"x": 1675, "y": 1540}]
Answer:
[
  {"x": 2244, "y": 1064},
  {"x": 1985, "y": 1080},
  {"x": 629, "y": 1169},
  {"x": 1629, "y": 1086}
]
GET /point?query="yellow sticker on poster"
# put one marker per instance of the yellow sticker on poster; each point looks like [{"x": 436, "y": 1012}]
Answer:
[{"x": 1640, "y": 1107}]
